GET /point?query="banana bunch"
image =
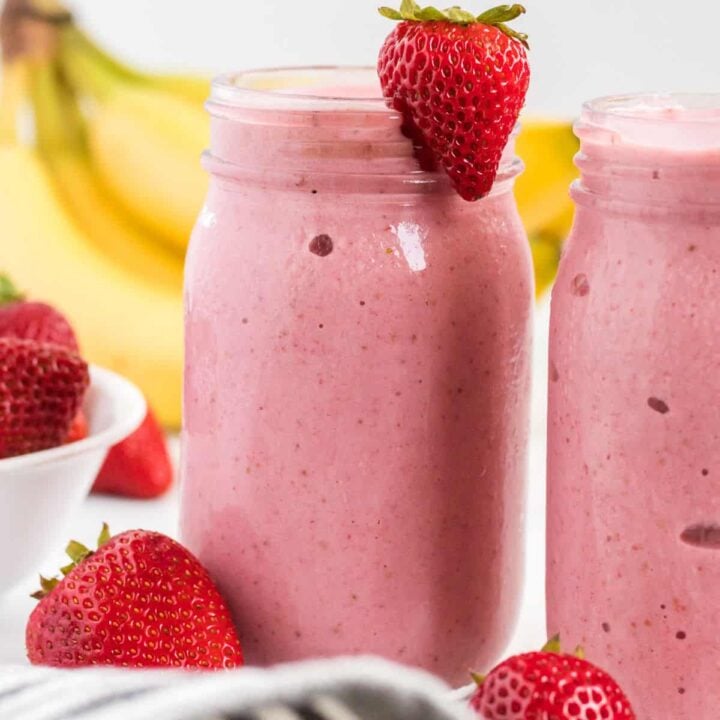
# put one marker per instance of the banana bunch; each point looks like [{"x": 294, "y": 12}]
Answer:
[
  {"x": 67, "y": 236},
  {"x": 97, "y": 212}
]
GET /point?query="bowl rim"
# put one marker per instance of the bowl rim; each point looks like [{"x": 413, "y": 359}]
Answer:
[{"x": 108, "y": 383}]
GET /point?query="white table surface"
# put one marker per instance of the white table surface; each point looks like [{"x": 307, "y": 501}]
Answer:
[{"x": 161, "y": 515}]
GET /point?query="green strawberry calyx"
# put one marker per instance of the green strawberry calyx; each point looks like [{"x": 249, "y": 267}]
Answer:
[
  {"x": 495, "y": 17},
  {"x": 78, "y": 553},
  {"x": 552, "y": 646},
  {"x": 8, "y": 292}
]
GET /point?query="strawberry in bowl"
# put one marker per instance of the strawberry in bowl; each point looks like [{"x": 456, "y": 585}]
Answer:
[
  {"x": 42, "y": 388},
  {"x": 59, "y": 418}
]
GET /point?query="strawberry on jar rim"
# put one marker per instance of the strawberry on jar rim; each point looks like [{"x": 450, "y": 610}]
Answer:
[
  {"x": 140, "y": 600},
  {"x": 549, "y": 685},
  {"x": 460, "y": 82}
]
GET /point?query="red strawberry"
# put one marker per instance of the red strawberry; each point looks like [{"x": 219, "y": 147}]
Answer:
[
  {"x": 549, "y": 685},
  {"x": 139, "y": 466},
  {"x": 33, "y": 320},
  {"x": 140, "y": 600},
  {"x": 41, "y": 390},
  {"x": 78, "y": 429},
  {"x": 460, "y": 82}
]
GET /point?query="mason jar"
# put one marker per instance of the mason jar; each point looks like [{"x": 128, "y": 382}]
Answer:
[
  {"x": 634, "y": 417},
  {"x": 356, "y": 382}
]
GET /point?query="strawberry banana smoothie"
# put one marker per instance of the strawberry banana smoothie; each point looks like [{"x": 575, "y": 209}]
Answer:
[
  {"x": 357, "y": 383},
  {"x": 634, "y": 419}
]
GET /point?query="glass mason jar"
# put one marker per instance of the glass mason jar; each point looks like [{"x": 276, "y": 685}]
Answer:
[
  {"x": 634, "y": 415},
  {"x": 356, "y": 382}
]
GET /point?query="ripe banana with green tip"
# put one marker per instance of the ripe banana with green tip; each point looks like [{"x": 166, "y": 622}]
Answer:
[
  {"x": 60, "y": 139},
  {"x": 192, "y": 89},
  {"x": 145, "y": 142}
]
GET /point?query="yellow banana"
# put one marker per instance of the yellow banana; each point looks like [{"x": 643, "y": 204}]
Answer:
[
  {"x": 546, "y": 246},
  {"x": 546, "y": 256},
  {"x": 145, "y": 145},
  {"x": 60, "y": 140},
  {"x": 123, "y": 322},
  {"x": 12, "y": 92},
  {"x": 547, "y": 148},
  {"x": 194, "y": 89},
  {"x": 124, "y": 319},
  {"x": 560, "y": 227}
]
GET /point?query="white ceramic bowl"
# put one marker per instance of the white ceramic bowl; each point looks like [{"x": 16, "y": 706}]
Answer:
[{"x": 40, "y": 492}]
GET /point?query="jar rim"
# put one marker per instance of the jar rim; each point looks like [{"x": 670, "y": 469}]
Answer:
[
  {"x": 310, "y": 87},
  {"x": 664, "y": 122},
  {"x": 328, "y": 120},
  {"x": 692, "y": 108}
]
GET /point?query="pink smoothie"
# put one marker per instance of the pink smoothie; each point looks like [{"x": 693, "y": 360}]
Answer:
[
  {"x": 634, "y": 417},
  {"x": 356, "y": 390}
]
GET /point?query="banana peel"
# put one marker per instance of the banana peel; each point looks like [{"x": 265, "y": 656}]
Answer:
[
  {"x": 150, "y": 162},
  {"x": 547, "y": 148},
  {"x": 145, "y": 142},
  {"x": 122, "y": 322}
]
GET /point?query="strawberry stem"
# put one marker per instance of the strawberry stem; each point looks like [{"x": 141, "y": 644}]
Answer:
[
  {"x": 496, "y": 17},
  {"x": 8, "y": 292},
  {"x": 105, "y": 536},
  {"x": 552, "y": 645},
  {"x": 501, "y": 14},
  {"x": 47, "y": 585},
  {"x": 477, "y": 679},
  {"x": 77, "y": 552}
]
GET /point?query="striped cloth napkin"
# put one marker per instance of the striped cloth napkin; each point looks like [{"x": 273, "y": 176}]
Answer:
[{"x": 339, "y": 689}]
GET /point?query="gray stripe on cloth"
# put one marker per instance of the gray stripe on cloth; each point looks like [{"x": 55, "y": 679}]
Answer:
[
  {"x": 4, "y": 694},
  {"x": 100, "y": 702},
  {"x": 339, "y": 689},
  {"x": 63, "y": 694}
]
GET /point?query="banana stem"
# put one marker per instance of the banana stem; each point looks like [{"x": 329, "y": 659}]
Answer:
[{"x": 12, "y": 96}]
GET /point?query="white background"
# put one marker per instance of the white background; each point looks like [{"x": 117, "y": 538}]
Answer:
[{"x": 580, "y": 48}]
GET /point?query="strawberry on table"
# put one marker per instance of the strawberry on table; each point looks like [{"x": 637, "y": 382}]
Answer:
[
  {"x": 139, "y": 600},
  {"x": 139, "y": 466},
  {"x": 549, "y": 685},
  {"x": 41, "y": 390},
  {"x": 20, "y": 318},
  {"x": 460, "y": 82}
]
